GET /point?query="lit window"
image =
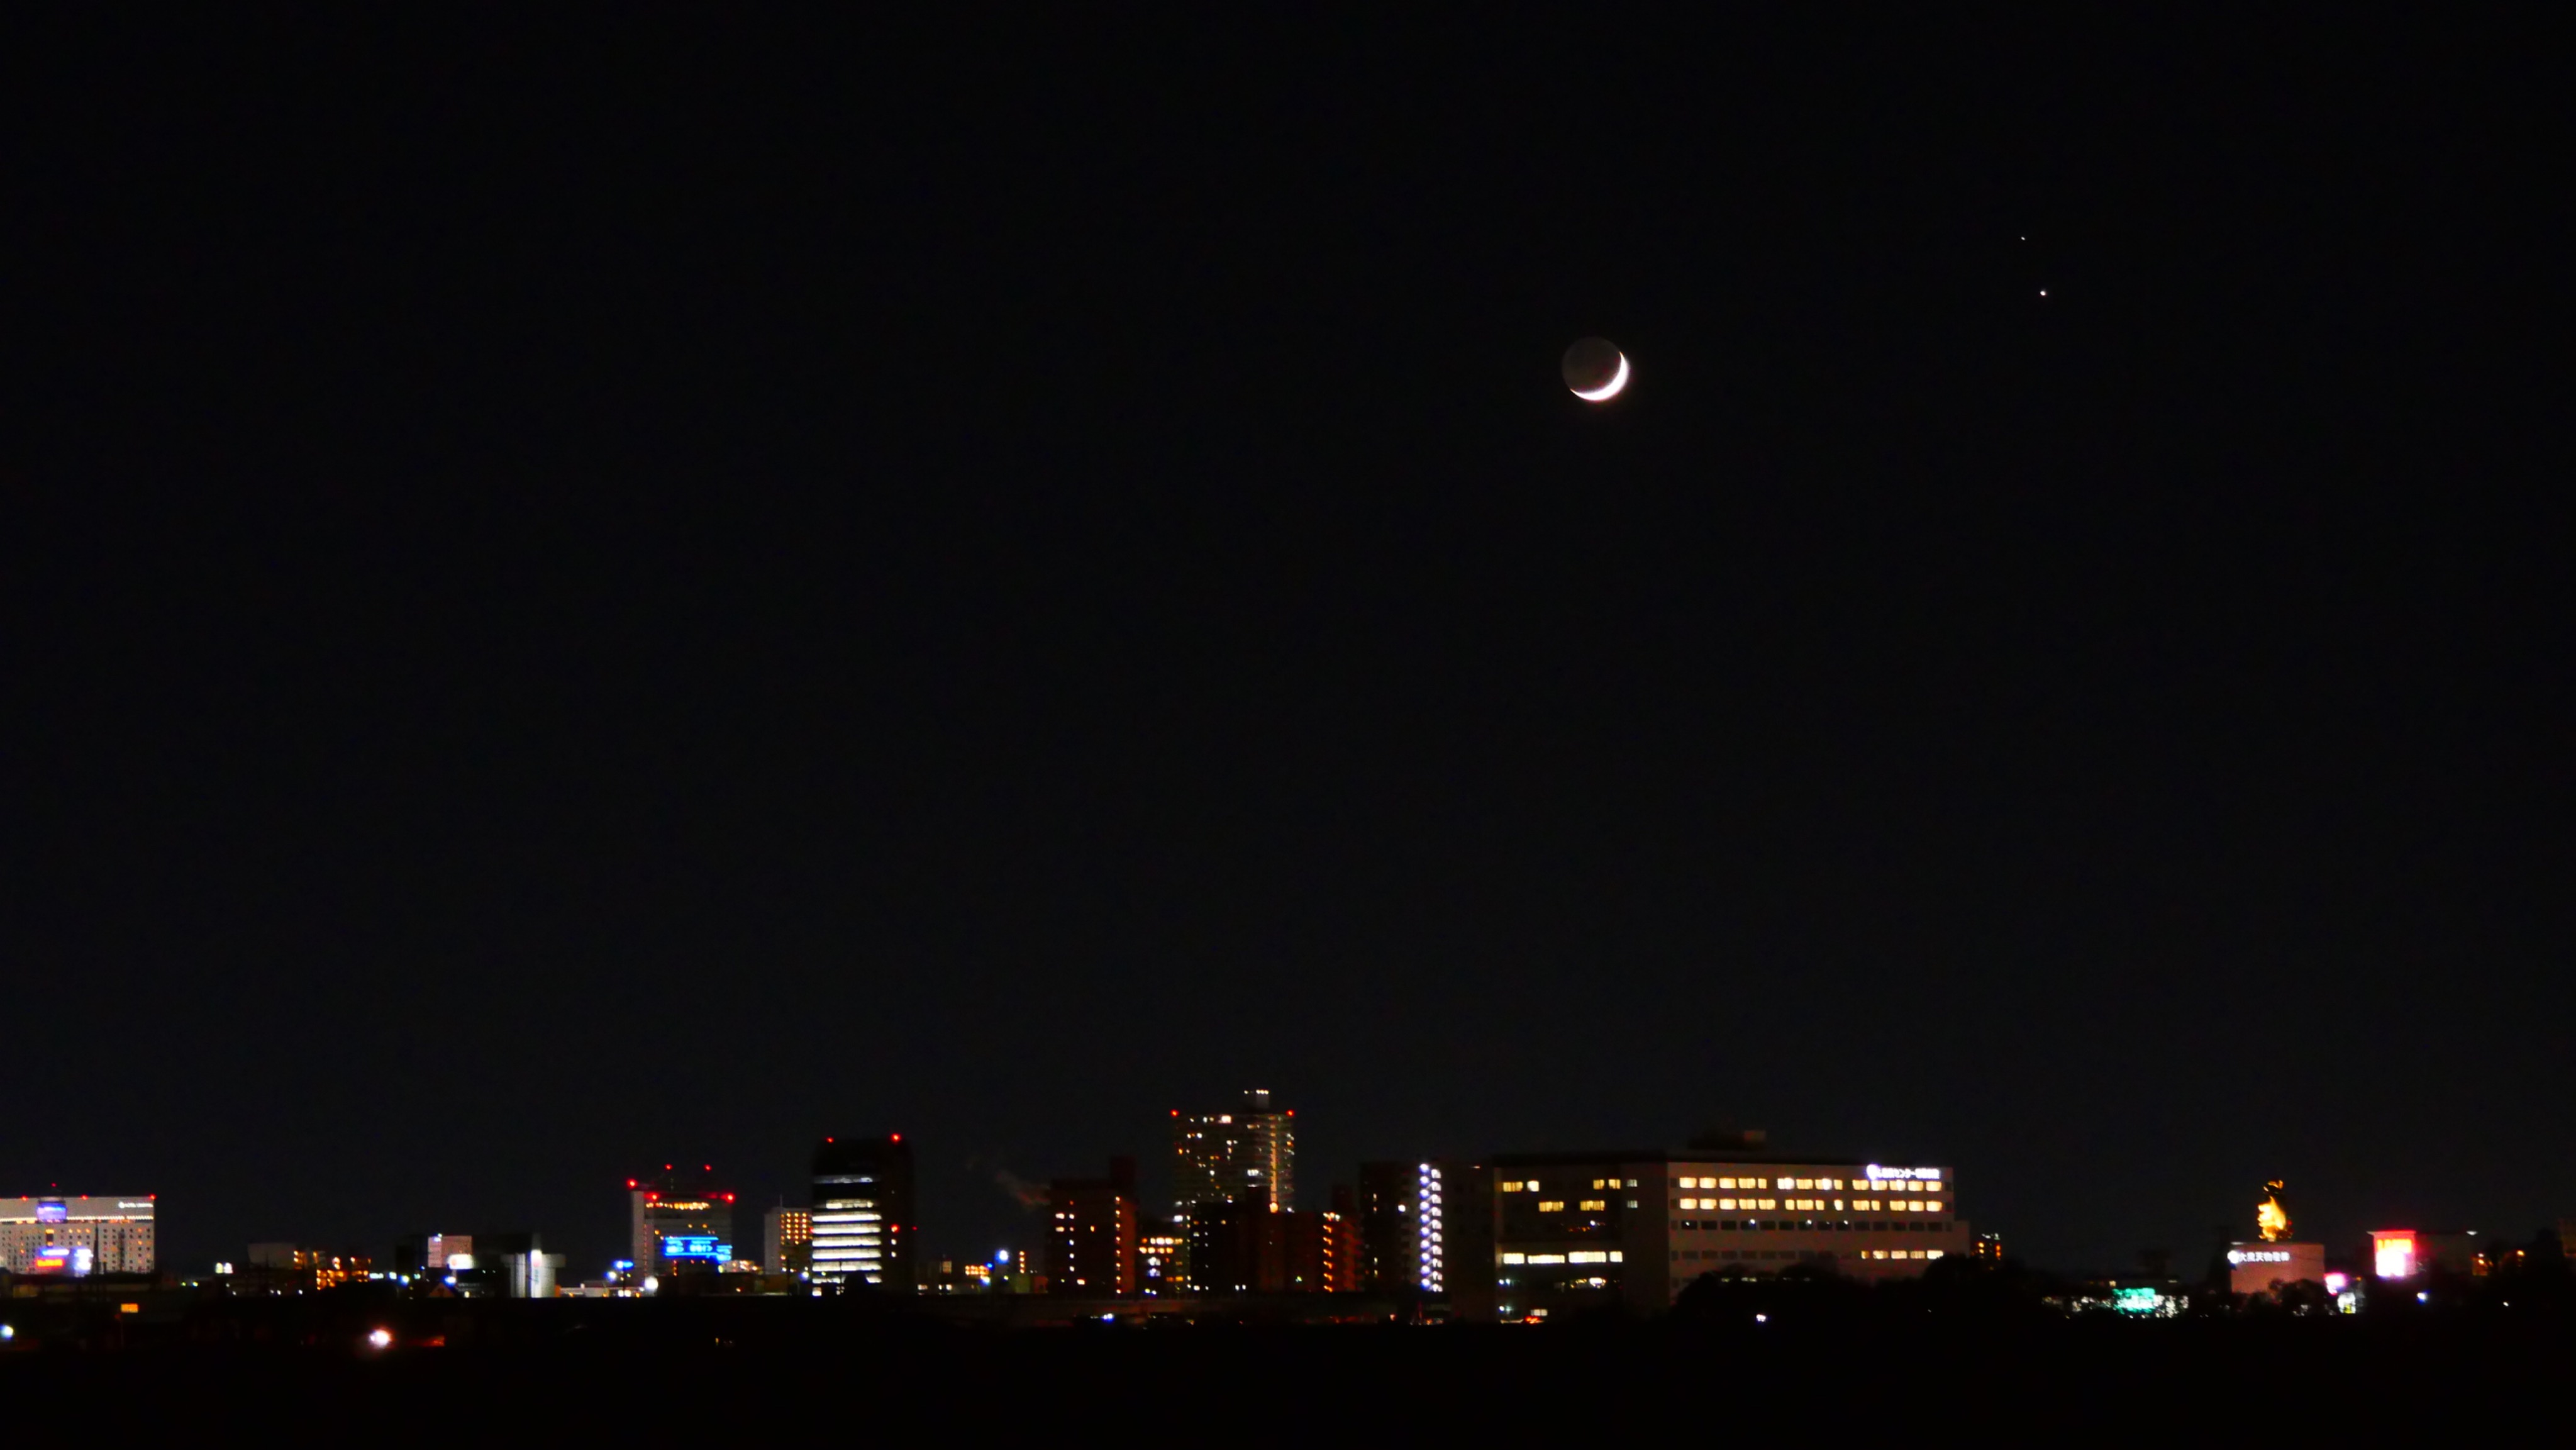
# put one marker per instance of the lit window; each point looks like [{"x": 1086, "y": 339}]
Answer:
[
  {"x": 1594, "y": 1205},
  {"x": 1933, "y": 1206},
  {"x": 1786, "y": 1183},
  {"x": 1726, "y": 1205},
  {"x": 1806, "y": 1183},
  {"x": 1587, "y": 1256},
  {"x": 1551, "y": 1205},
  {"x": 1515, "y": 1258}
]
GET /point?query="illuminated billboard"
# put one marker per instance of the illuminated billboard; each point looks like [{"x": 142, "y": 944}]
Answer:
[
  {"x": 2392, "y": 1253},
  {"x": 73, "y": 1260},
  {"x": 701, "y": 1247}
]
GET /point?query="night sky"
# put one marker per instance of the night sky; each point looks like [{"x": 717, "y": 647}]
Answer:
[{"x": 653, "y": 589}]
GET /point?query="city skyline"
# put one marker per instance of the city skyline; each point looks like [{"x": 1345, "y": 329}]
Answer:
[
  {"x": 581, "y": 596},
  {"x": 863, "y": 1194}
]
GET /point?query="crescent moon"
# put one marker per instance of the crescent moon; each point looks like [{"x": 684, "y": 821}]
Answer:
[{"x": 1610, "y": 389}]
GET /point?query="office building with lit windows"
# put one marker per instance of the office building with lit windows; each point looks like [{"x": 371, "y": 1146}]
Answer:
[
  {"x": 1632, "y": 1228},
  {"x": 1249, "y": 1155},
  {"x": 78, "y": 1235},
  {"x": 679, "y": 1222},
  {"x": 863, "y": 1225},
  {"x": 1091, "y": 1232}
]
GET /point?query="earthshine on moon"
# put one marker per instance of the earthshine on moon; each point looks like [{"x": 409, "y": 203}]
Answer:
[{"x": 1595, "y": 371}]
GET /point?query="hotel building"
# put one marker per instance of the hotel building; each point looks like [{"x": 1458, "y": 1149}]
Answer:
[
  {"x": 1631, "y": 1228},
  {"x": 679, "y": 1223},
  {"x": 109, "y": 1234}
]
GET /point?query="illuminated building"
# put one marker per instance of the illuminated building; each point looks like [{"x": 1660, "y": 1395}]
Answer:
[
  {"x": 77, "y": 1235},
  {"x": 1988, "y": 1247},
  {"x": 431, "y": 1252},
  {"x": 1162, "y": 1260},
  {"x": 1244, "y": 1248},
  {"x": 1631, "y": 1228},
  {"x": 956, "y": 1276},
  {"x": 1427, "y": 1231},
  {"x": 862, "y": 1213},
  {"x": 276, "y": 1268},
  {"x": 1250, "y": 1155},
  {"x": 787, "y": 1240},
  {"x": 2402, "y": 1253},
  {"x": 1091, "y": 1232},
  {"x": 481, "y": 1266},
  {"x": 679, "y": 1223},
  {"x": 2264, "y": 1266}
]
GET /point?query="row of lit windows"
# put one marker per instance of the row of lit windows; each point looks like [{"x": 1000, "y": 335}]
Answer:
[
  {"x": 1575, "y": 1256},
  {"x": 1784, "y": 1185},
  {"x": 1829, "y": 1185},
  {"x": 1812, "y": 1205},
  {"x": 1585, "y": 1205},
  {"x": 1819, "y": 1254},
  {"x": 1730, "y": 1225}
]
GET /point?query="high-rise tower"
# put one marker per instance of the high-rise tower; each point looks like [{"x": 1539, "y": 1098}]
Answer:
[
  {"x": 863, "y": 1227},
  {"x": 1245, "y": 1156}
]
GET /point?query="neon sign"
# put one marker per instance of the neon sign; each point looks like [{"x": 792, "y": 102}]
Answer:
[
  {"x": 2258, "y": 1256},
  {"x": 1927, "y": 1175}
]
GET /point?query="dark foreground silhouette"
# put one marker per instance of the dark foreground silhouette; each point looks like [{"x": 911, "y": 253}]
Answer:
[{"x": 1983, "y": 1352}]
